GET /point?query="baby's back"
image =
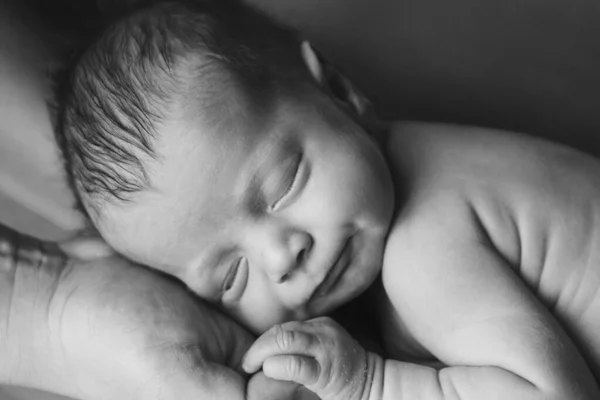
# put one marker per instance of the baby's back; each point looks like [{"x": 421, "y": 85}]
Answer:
[{"x": 538, "y": 202}]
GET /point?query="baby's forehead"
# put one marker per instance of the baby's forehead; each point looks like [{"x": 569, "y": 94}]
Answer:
[
  {"x": 219, "y": 96},
  {"x": 198, "y": 167},
  {"x": 196, "y": 183},
  {"x": 224, "y": 128}
]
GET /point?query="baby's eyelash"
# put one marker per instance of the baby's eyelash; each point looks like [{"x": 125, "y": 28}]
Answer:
[
  {"x": 291, "y": 186},
  {"x": 235, "y": 285},
  {"x": 231, "y": 275}
]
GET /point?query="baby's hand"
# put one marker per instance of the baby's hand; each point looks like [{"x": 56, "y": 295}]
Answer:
[{"x": 318, "y": 354}]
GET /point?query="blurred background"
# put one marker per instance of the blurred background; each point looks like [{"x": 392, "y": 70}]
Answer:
[{"x": 529, "y": 65}]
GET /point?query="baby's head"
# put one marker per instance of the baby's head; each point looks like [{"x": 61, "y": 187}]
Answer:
[{"x": 206, "y": 141}]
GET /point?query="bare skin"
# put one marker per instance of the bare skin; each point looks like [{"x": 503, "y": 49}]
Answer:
[
  {"x": 522, "y": 204},
  {"x": 481, "y": 238},
  {"x": 79, "y": 321},
  {"x": 491, "y": 271}
]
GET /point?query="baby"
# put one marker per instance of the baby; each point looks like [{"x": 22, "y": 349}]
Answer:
[{"x": 207, "y": 142}]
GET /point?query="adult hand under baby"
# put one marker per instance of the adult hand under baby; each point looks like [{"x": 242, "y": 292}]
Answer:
[
  {"x": 88, "y": 324},
  {"x": 318, "y": 354}
]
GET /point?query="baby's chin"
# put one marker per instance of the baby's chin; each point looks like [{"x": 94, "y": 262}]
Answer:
[
  {"x": 352, "y": 284},
  {"x": 318, "y": 308}
]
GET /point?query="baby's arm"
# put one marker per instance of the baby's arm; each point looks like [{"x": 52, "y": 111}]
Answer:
[{"x": 466, "y": 305}]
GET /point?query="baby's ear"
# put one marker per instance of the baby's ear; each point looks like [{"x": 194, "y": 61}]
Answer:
[{"x": 334, "y": 83}]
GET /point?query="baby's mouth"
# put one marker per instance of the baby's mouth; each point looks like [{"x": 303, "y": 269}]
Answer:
[{"x": 335, "y": 272}]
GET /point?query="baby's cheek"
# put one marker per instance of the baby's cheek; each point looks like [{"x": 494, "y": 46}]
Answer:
[
  {"x": 328, "y": 202},
  {"x": 260, "y": 312}
]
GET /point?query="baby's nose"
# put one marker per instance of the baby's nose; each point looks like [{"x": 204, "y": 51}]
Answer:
[{"x": 292, "y": 257}]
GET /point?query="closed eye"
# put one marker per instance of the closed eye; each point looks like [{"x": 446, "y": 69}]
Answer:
[
  {"x": 235, "y": 282},
  {"x": 231, "y": 275},
  {"x": 289, "y": 184}
]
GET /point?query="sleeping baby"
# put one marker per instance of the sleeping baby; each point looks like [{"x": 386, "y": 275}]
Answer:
[{"x": 206, "y": 141}]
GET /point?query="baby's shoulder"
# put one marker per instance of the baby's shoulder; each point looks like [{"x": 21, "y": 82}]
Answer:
[
  {"x": 459, "y": 184},
  {"x": 458, "y": 187},
  {"x": 441, "y": 172},
  {"x": 448, "y": 156},
  {"x": 447, "y": 172}
]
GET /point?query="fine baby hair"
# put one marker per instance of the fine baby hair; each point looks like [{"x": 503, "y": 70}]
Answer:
[{"x": 141, "y": 70}]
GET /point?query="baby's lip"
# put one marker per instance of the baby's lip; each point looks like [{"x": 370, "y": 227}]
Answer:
[{"x": 334, "y": 272}]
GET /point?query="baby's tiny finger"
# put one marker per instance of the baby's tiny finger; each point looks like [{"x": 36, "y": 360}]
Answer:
[
  {"x": 300, "y": 369},
  {"x": 277, "y": 341}
]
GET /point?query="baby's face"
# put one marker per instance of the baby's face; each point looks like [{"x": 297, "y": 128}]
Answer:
[{"x": 272, "y": 220}]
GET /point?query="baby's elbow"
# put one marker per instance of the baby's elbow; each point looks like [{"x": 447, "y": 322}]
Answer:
[
  {"x": 572, "y": 391},
  {"x": 467, "y": 383},
  {"x": 581, "y": 387}
]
